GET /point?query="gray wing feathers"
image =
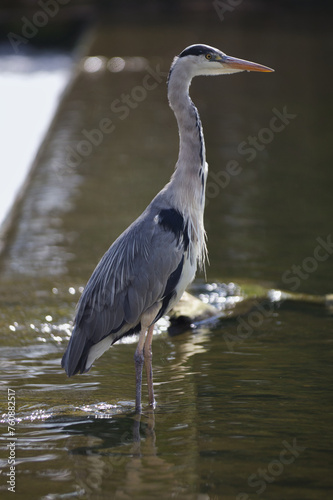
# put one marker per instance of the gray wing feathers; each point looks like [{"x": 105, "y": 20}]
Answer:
[{"x": 129, "y": 279}]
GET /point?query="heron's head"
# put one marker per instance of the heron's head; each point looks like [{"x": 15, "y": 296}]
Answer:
[{"x": 206, "y": 60}]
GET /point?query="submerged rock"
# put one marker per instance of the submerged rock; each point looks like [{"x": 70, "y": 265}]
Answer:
[{"x": 220, "y": 301}]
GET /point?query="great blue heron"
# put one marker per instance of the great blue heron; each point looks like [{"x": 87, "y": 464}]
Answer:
[{"x": 146, "y": 270}]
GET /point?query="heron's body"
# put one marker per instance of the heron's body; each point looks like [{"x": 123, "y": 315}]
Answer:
[
  {"x": 146, "y": 270},
  {"x": 159, "y": 227}
]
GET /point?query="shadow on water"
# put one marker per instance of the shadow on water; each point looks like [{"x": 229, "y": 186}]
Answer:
[{"x": 243, "y": 406}]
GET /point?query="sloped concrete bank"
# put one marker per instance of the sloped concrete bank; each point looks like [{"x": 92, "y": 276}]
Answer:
[{"x": 18, "y": 188}]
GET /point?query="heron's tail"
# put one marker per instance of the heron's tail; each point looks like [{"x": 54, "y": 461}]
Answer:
[{"x": 75, "y": 358}]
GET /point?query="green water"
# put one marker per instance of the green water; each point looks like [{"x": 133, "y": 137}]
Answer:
[{"x": 242, "y": 411}]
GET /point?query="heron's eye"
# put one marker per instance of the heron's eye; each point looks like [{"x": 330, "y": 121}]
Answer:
[{"x": 208, "y": 56}]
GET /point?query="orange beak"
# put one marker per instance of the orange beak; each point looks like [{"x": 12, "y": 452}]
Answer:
[{"x": 241, "y": 64}]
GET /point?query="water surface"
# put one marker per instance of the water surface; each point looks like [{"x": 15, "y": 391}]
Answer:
[{"x": 244, "y": 408}]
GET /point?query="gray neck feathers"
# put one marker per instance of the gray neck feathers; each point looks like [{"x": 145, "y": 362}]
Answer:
[
  {"x": 187, "y": 186},
  {"x": 192, "y": 146}
]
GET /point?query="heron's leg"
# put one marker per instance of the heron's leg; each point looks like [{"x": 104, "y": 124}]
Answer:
[
  {"x": 148, "y": 355},
  {"x": 138, "y": 359}
]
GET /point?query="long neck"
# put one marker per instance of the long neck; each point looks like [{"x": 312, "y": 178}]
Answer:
[
  {"x": 192, "y": 146},
  {"x": 187, "y": 185}
]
